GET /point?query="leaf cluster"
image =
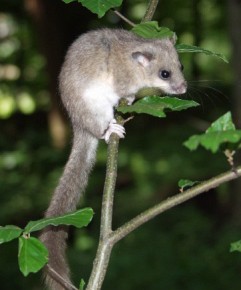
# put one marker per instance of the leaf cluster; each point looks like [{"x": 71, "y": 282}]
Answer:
[
  {"x": 32, "y": 253},
  {"x": 221, "y": 135}
]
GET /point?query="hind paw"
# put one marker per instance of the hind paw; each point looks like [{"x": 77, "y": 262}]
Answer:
[{"x": 114, "y": 128}]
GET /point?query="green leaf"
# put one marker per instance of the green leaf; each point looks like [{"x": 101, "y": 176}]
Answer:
[
  {"x": 78, "y": 219},
  {"x": 156, "y": 106},
  {"x": 181, "y": 48},
  {"x": 184, "y": 183},
  {"x": 221, "y": 132},
  {"x": 224, "y": 123},
  {"x": 82, "y": 284},
  {"x": 152, "y": 30},
  {"x": 32, "y": 255},
  {"x": 235, "y": 247},
  {"x": 9, "y": 233},
  {"x": 100, "y": 7},
  {"x": 213, "y": 141}
]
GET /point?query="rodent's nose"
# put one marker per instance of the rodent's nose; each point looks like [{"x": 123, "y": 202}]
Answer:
[{"x": 181, "y": 88}]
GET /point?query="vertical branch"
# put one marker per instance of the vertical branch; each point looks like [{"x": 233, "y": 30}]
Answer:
[
  {"x": 109, "y": 187},
  {"x": 100, "y": 266},
  {"x": 150, "y": 10},
  {"x": 105, "y": 243}
]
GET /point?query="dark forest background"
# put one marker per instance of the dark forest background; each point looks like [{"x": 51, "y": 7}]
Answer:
[{"x": 186, "y": 248}]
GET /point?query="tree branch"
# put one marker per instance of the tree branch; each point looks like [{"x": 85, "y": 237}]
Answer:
[
  {"x": 150, "y": 10},
  {"x": 173, "y": 201},
  {"x": 109, "y": 187},
  {"x": 105, "y": 246},
  {"x": 60, "y": 279}
]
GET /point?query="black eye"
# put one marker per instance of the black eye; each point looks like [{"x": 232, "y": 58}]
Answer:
[
  {"x": 182, "y": 67},
  {"x": 164, "y": 74}
]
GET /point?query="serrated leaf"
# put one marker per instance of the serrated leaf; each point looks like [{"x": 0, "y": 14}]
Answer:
[
  {"x": 79, "y": 219},
  {"x": 235, "y": 247},
  {"x": 223, "y": 123},
  {"x": 184, "y": 183},
  {"x": 156, "y": 106},
  {"x": 181, "y": 48},
  {"x": 151, "y": 29},
  {"x": 32, "y": 255},
  {"x": 212, "y": 141},
  {"x": 9, "y": 233},
  {"x": 221, "y": 132},
  {"x": 100, "y": 7}
]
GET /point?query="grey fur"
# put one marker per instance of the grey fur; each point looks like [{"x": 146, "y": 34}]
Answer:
[{"x": 100, "y": 68}]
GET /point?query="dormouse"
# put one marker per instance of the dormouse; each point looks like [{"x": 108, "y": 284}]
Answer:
[{"x": 100, "y": 68}]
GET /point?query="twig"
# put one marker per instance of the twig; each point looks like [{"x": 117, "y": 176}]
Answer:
[
  {"x": 123, "y": 18},
  {"x": 61, "y": 279},
  {"x": 229, "y": 154},
  {"x": 150, "y": 10},
  {"x": 171, "y": 202},
  {"x": 109, "y": 187},
  {"x": 105, "y": 246},
  {"x": 128, "y": 119}
]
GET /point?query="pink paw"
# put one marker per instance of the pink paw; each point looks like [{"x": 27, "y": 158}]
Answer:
[{"x": 114, "y": 128}]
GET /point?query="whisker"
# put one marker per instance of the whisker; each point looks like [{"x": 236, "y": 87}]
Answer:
[{"x": 209, "y": 91}]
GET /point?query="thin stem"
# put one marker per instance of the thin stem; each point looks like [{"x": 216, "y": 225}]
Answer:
[
  {"x": 124, "y": 18},
  {"x": 58, "y": 278},
  {"x": 100, "y": 266},
  {"x": 109, "y": 187},
  {"x": 171, "y": 202},
  {"x": 105, "y": 246},
  {"x": 150, "y": 10}
]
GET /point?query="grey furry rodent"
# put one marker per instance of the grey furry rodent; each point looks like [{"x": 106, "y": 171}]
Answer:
[{"x": 100, "y": 68}]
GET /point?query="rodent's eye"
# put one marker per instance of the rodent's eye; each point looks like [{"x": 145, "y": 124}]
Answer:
[{"x": 164, "y": 74}]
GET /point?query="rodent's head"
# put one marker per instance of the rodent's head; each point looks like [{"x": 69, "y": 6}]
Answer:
[{"x": 161, "y": 67}]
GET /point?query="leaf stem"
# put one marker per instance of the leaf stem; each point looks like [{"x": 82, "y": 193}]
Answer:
[
  {"x": 123, "y": 18},
  {"x": 150, "y": 10}
]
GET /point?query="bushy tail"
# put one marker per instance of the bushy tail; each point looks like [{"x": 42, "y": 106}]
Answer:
[{"x": 64, "y": 200}]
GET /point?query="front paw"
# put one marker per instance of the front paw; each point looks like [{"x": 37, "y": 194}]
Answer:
[
  {"x": 130, "y": 99},
  {"x": 114, "y": 128}
]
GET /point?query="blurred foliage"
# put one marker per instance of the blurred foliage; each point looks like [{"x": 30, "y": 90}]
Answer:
[
  {"x": 186, "y": 248},
  {"x": 23, "y": 81}
]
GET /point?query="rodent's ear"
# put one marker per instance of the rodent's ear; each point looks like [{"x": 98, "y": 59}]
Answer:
[
  {"x": 143, "y": 58},
  {"x": 173, "y": 39}
]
